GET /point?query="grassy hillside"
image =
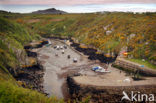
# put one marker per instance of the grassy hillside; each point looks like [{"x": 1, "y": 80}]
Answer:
[
  {"x": 10, "y": 92},
  {"x": 108, "y": 32},
  {"x": 14, "y": 34},
  {"x": 12, "y": 38}
]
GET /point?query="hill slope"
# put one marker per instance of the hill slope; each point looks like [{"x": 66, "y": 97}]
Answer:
[
  {"x": 49, "y": 11},
  {"x": 107, "y": 32},
  {"x": 13, "y": 36}
]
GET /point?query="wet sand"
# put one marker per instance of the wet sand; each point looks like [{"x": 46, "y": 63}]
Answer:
[{"x": 53, "y": 67}]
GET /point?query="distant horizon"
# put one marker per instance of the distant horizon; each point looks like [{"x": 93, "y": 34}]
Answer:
[{"x": 83, "y": 8}]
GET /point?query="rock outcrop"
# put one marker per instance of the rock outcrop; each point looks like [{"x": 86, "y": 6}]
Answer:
[{"x": 31, "y": 74}]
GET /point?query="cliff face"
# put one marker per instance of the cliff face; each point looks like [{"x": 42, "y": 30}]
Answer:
[
  {"x": 31, "y": 74},
  {"x": 20, "y": 63},
  {"x": 13, "y": 37}
]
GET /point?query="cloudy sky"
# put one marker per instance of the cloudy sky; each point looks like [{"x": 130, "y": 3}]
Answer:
[{"x": 25, "y": 6}]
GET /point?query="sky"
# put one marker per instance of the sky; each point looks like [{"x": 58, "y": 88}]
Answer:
[{"x": 78, "y": 6}]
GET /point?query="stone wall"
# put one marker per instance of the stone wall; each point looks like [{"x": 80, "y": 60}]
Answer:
[
  {"x": 133, "y": 67},
  {"x": 105, "y": 94}
]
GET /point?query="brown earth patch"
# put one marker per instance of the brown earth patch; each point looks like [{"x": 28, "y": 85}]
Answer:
[{"x": 33, "y": 20}]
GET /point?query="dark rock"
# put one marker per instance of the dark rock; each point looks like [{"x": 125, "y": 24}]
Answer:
[{"x": 49, "y": 11}]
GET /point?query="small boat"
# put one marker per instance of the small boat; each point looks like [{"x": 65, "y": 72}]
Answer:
[
  {"x": 100, "y": 69},
  {"x": 65, "y": 47},
  {"x": 61, "y": 47},
  {"x": 57, "y": 47},
  {"x": 68, "y": 56},
  {"x": 62, "y": 51},
  {"x": 75, "y": 60},
  {"x": 56, "y": 54}
]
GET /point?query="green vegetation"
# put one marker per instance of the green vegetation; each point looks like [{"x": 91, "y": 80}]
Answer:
[
  {"x": 145, "y": 63},
  {"x": 13, "y": 36},
  {"x": 108, "y": 32},
  {"x": 11, "y": 93}
]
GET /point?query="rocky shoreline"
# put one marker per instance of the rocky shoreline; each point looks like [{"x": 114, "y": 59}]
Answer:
[
  {"x": 31, "y": 75},
  {"x": 90, "y": 52}
]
